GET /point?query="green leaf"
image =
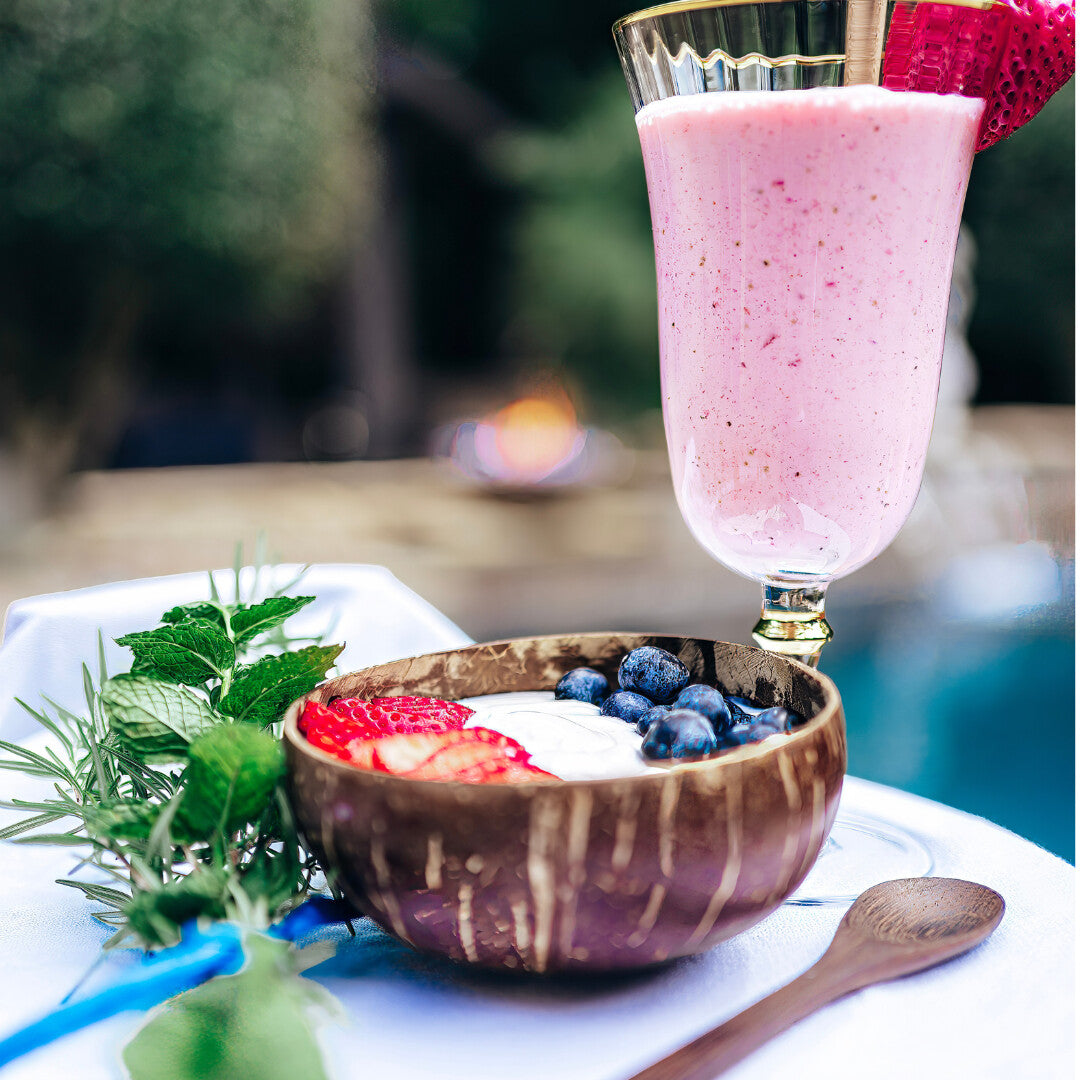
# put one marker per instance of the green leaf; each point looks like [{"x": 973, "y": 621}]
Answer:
[
  {"x": 27, "y": 824},
  {"x": 256, "y": 1023},
  {"x": 123, "y": 819},
  {"x": 143, "y": 780},
  {"x": 103, "y": 663},
  {"x": 103, "y": 894},
  {"x": 188, "y": 652},
  {"x": 159, "y": 843},
  {"x": 42, "y": 765},
  {"x": 49, "y": 724},
  {"x": 68, "y": 839},
  {"x": 273, "y": 875},
  {"x": 153, "y": 719},
  {"x": 200, "y": 609},
  {"x": 157, "y": 915},
  {"x": 249, "y": 622},
  {"x": 231, "y": 775},
  {"x": 261, "y": 692},
  {"x": 245, "y": 621}
]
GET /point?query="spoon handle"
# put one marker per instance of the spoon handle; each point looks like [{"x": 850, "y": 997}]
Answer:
[{"x": 719, "y": 1049}]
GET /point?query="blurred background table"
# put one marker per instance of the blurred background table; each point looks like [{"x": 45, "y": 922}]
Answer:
[{"x": 952, "y": 650}]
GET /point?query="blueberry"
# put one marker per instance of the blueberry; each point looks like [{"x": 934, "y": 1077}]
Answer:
[
  {"x": 778, "y": 718},
  {"x": 682, "y": 733},
  {"x": 583, "y": 684},
  {"x": 752, "y": 731},
  {"x": 656, "y": 673},
  {"x": 626, "y": 706},
  {"x": 707, "y": 701},
  {"x": 742, "y": 709},
  {"x": 741, "y": 733},
  {"x": 647, "y": 718}
]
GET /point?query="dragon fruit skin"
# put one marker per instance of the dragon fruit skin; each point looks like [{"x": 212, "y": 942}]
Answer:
[{"x": 1015, "y": 56}]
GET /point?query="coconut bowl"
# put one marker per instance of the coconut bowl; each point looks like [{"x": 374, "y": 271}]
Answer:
[{"x": 577, "y": 875}]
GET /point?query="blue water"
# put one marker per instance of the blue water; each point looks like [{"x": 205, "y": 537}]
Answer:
[{"x": 978, "y": 716}]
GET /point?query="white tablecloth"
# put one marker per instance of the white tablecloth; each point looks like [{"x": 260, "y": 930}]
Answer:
[{"x": 1003, "y": 1012}]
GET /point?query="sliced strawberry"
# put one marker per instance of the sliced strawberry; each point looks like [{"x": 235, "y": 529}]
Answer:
[
  {"x": 362, "y": 753},
  {"x": 329, "y": 745},
  {"x": 401, "y": 753},
  {"x": 336, "y": 735},
  {"x": 314, "y": 713},
  {"x": 447, "y": 763},
  {"x": 470, "y": 748},
  {"x": 424, "y": 706},
  {"x": 388, "y": 720},
  {"x": 422, "y": 738},
  {"x": 501, "y": 772},
  {"x": 316, "y": 721},
  {"x": 355, "y": 709}
]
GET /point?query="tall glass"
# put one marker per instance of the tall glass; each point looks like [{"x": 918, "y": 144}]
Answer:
[
  {"x": 804, "y": 246},
  {"x": 805, "y": 217}
]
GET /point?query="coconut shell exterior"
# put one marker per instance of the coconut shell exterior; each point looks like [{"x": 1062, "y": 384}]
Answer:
[{"x": 587, "y": 875}]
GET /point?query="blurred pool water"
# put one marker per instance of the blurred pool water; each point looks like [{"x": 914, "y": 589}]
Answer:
[{"x": 972, "y": 706}]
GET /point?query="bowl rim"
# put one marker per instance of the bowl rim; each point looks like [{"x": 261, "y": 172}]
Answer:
[{"x": 822, "y": 718}]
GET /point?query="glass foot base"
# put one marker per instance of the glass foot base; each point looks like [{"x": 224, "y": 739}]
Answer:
[{"x": 861, "y": 851}]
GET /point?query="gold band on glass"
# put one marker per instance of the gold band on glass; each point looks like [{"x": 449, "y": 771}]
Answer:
[{"x": 678, "y": 7}]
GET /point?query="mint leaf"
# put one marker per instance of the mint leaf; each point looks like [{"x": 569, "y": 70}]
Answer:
[
  {"x": 257, "y": 1023},
  {"x": 200, "y": 609},
  {"x": 188, "y": 652},
  {"x": 231, "y": 774},
  {"x": 246, "y": 621},
  {"x": 273, "y": 875},
  {"x": 262, "y": 691},
  {"x": 154, "y": 719},
  {"x": 156, "y": 915},
  {"x": 249, "y": 622}
]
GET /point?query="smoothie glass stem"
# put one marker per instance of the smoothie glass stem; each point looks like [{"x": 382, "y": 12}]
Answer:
[{"x": 793, "y": 622}]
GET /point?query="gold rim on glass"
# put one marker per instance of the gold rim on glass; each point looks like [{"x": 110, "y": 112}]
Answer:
[{"x": 676, "y": 7}]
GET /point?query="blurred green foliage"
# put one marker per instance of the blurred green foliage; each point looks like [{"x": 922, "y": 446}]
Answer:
[
  {"x": 1021, "y": 209},
  {"x": 195, "y": 156},
  {"x": 583, "y": 287}
]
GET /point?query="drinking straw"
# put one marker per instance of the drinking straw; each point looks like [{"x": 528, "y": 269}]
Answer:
[
  {"x": 864, "y": 41},
  {"x": 202, "y": 953}
]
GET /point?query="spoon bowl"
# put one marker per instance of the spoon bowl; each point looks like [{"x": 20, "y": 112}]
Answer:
[{"x": 914, "y": 923}]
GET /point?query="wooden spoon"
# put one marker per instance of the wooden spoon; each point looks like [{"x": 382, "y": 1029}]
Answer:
[{"x": 892, "y": 929}]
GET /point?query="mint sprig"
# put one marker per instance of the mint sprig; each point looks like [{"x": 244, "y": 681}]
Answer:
[{"x": 172, "y": 783}]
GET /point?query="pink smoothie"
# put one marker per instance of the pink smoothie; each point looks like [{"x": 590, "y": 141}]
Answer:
[{"x": 804, "y": 248}]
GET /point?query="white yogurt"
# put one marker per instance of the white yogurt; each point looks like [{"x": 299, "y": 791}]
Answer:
[{"x": 568, "y": 738}]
